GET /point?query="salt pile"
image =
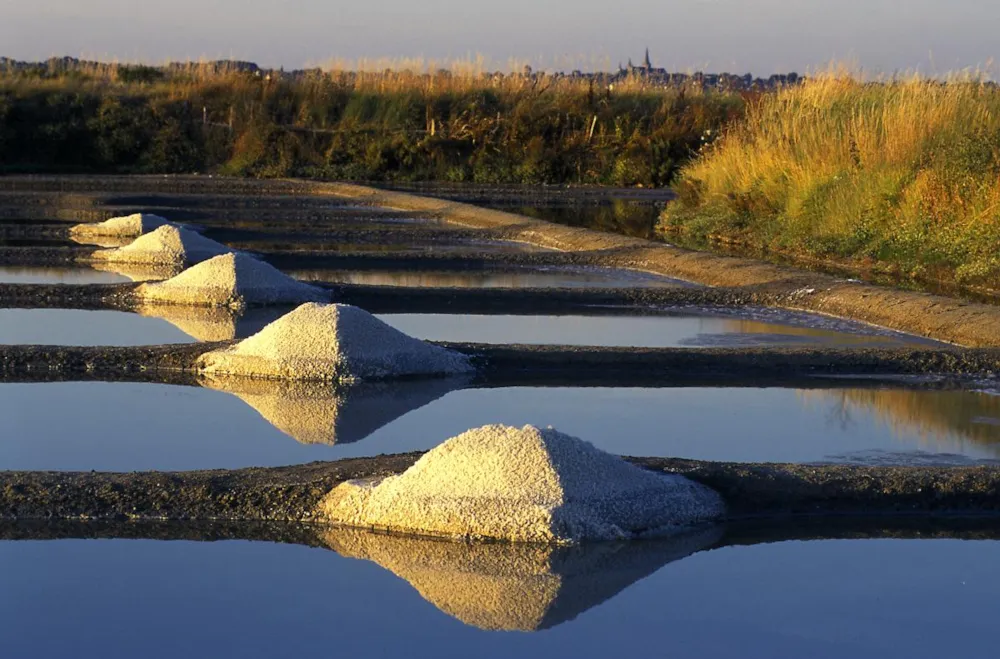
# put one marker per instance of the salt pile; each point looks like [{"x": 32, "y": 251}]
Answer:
[
  {"x": 231, "y": 280},
  {"x": 136, "y": 224},
  {"x": 516, "y": 586},
  {"x": 332, "y": 342},
  {"x": 168, "y": 244},
  {"x": 523, "y": 485}
]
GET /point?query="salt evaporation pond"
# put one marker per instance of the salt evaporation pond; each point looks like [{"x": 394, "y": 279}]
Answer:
[
  {"x": 526, "y": 278},
  {"x": 77, "y": 327},
  {"x": 152, "y": 325},
  {"x": 20, "y": 274},
  {"x": 818, "y": 599},
  {"x": 659, "y": 331},
  {"x": 156, "y": 324},
  {"x": 130, "y": 426}
]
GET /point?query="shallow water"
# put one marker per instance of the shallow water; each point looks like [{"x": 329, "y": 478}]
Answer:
[
  {"x": 150, "y": 325},
  {"x": 387, "y": 597},
  {"x": 76, "y": 327},
  {"x": 239, "y": 423},
  {"x": 660, "y": 331},
  {"x": 527, "y": 278},
  {"x": 21, "y": 274}
]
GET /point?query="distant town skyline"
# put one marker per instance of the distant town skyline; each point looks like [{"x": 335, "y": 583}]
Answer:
[{"x": 759, "y": 36}]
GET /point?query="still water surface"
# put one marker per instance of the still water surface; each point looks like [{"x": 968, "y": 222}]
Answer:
[
  {"x": 150, "y": 325},
  {"x": 379, "y": 597},
  {"x": 128, "y": 426},
  {"x": 25, "y": 274},
  {"x": 156, "y": 324},
  {"x": 663, "y": 331}
]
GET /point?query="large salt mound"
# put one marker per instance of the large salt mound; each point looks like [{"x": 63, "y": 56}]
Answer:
[
  {"x": 332, "y": 342},
  {"x": 231, "y": 280},
  {"x": 136, "y": 224},
  {"x": 321, "y": 413},
  {"x": 523, "y": 485},
  {"x": 516, "y": 586},
  {"x": 168, "y": 245}
]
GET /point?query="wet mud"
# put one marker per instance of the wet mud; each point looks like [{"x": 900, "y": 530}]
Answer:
[{"x": 292, "y": 494}]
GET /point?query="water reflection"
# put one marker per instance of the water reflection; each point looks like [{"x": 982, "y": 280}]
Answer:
[
  {"x": 317, "y": 413},
  {"x": 101, "y": 240},
  {"x": 79, "y": 327},
  {"x": 773, "y": 591},
  {"x": 138, "y": 271},
  {"x": 230, "y": 423},
  {"x": 515, "y": 587},
  {"x": 213, "y": 323},
  {"x": 942, "y": 420},
  {"x": 741, "y": 331},
  {"x": 19, "y": 274},
  {"x": 659, "y": 331}
]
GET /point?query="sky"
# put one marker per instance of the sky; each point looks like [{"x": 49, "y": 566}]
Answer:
[{"x": 739, "y": 36}]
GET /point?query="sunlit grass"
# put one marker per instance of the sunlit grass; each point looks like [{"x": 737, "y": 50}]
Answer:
[{"x": 899, "y": 172}]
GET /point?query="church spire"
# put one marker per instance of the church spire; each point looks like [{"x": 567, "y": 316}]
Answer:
[{"x": 647, "y": 64}]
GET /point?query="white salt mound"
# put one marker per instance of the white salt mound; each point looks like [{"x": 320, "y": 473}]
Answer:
[
  {"x": 332, "y": 342},
  {"x": 231, "y": 280},
  {"x": 168, "y": 245},
  {"x": 523, "y": 485},
  {"x": 136, "y": 224}
]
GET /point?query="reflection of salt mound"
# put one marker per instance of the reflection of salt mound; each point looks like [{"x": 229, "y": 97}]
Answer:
[
  {"x": 101, "y": 241},
  {"x": 212, "y": 323},
  {"x": 133, "y": 225},
  {"x": 231, "y": 280},
  {"x": 168, "y": 244},
  {"x": 138, "y": 271},
  {"x": 523, "y": 587},
  {"x": 331, "y": 342},
  {"x": 525, "y": 485},
  {"x": 318, "y": 413}
]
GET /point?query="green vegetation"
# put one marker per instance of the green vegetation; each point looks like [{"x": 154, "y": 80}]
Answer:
[
  {"x": 390, "y": 125},
  {"x": 898, "y": 176}
]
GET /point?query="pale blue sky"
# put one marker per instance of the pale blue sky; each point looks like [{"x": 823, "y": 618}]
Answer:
[{"x": 762, "y": 36}]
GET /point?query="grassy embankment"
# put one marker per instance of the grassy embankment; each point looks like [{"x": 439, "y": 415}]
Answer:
[
  {"x": 389, "y": 125},
  {"x": 898, "y": 177}
]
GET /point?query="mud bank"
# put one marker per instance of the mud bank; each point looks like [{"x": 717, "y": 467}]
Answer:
[
  {"x": 737, "y": 533},
  {"x": 292, "y": 494},
  {"x": 395, "y": 299},
  {"x": 527, "y": 363}
]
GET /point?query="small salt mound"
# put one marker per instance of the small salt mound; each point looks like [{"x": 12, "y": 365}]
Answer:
[
  {"x": 136, "y": 224},
  {"x": 168, "y": 244},
  {"x": 231, "y": 280},
  {"x": 332, "y": 342},
  {"x": 523, "y": 485}
]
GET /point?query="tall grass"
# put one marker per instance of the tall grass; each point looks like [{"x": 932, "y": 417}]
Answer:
[
  {"x": 901, "y": 175},
  {"x": 432, "y": 123}
]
